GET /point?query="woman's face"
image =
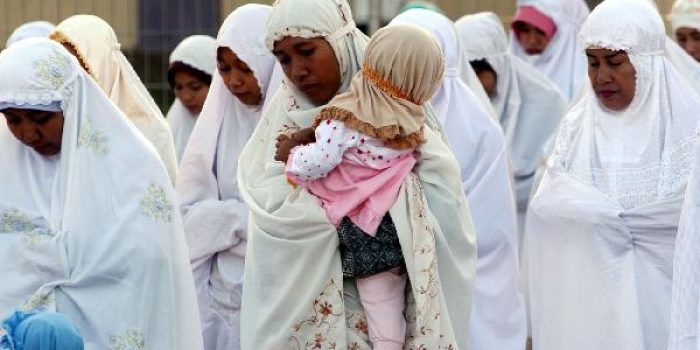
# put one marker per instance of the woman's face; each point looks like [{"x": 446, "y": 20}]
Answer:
[
  {"x": 488, "y": 79},
  {"x": 42, "y": 131},
  {"x": 612, "y": 77},
  {"x": 689, "y": 40},
  {"x": 191, "y": 91},
  {"x": 238, "y": 77},
  {"x": 311, "y": 65},
  {"x": 533, "y": 40}
]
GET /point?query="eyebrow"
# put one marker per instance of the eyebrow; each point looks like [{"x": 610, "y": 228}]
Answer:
[{"x": 607, "y": 56}]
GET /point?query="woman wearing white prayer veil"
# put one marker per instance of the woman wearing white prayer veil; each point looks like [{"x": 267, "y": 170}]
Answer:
[
  {"x": 685, "y": 25},
  {"x": 601, "y": 228},
  {"x": 529, "y": 105},
  {"x": 294, "y": 293},
  {"x": 498, "y": 313},
  {"x": 88, "y": 226},
  {"x": 94, "y": 42},
  {"x": 562, "y": 60},
  {"x": 35, "y": 29},
  {"x": 192, "y": 65},
  {"x": 214, "y": 214}
]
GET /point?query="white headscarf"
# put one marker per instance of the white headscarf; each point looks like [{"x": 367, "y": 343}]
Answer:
[
  {"x": 529, "y": 106},
  {"x": 99, "y": 50},
  {"x": 198, "y": 52},
  {"x": 498, "y": 315},
  {"x": 562, "y": 61},
  {"x": 652, "y": 136},
  {"x": 292, "y": 243},
  {"x": 214, "y": 214},
  {"x": 93, "y": 232},
  {"x": 685, "y": 13},
  {"x": 602, "y": 226},
  {"x": 35, "y": 29},
  {"x": 336, "y": 25}
]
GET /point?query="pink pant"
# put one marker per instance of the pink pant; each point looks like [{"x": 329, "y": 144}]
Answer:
[{"x": 382, "y": 296}]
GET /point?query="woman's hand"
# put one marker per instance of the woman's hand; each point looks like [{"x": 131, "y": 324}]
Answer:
[
  {"x": 284, "y": 145},
  {"x": 304, "y": 136}
]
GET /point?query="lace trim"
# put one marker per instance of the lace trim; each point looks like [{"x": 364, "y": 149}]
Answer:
[
  {"x": 303, "y": 33},
  {"x": 34, "y": 98},
  {"x": 621, "y": 47},
  {"x": 386, "y": 86},
  {"x": 62, "y": 38},
  {"x": 390, "y": 134},
  {"x": 634, "y": 187}
]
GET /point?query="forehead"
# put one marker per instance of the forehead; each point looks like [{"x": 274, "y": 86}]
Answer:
[
  {"x": 604, "y": 53},
  {"x": 21, "y": 112},
  {"x": 687, "y": 30},
  {"x": 289, "y": 43}
]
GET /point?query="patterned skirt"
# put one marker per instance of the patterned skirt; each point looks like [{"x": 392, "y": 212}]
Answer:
[{"x": 363, "y": 255}]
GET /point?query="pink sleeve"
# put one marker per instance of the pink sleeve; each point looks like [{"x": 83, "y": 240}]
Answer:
[{"x": 313, "y": 161}]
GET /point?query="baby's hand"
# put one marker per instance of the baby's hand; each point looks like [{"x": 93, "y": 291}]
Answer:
[
  {"x": 304, "y": 136},
  {"x": 284, "y": 145}
]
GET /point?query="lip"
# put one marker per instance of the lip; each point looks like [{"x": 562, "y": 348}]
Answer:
[
  {"x": 307, "y": 87},
  {"x": 533, "y": 52},
  {"x": 606, "y": 94},
  {"x": 41, "y": 147}
]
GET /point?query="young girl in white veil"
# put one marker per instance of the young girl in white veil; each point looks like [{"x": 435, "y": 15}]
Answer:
[{"x": 214, "y": 215}]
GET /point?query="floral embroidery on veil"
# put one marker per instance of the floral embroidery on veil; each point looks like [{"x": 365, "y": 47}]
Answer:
[
  {"x": 53, "y": 70},
  {"x": 156, "y": 204}
]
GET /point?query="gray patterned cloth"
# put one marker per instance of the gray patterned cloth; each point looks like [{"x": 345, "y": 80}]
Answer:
[{"x": 363, "y": 255}]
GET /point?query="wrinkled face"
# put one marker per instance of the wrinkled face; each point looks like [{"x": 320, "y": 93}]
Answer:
[
  {"x": 311, "y": 65},
  {"x": 689, "y": 40},
  {"x": 612, "y": 77},
  {"x": 488, "y": 79},
  {"x": 532, "y": 39},
  {"x": 238, "y": 77},
  {"x": 191, "y": 91},
  {"x": 42, "y": 131}
]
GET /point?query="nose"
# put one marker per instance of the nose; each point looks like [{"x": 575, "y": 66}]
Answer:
[
  {"x": 530, "y": 41},
  {"x": 186, "y": 96},
  {"x": 235, "y": 78},
  {"x": 299, "y": 71},
  {"x": 603, "y": 75},
  {"x": 30, "y": 133}
]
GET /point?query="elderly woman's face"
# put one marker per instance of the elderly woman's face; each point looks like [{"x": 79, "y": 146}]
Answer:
[
  {"x": 612, "y": 77},
  {"x": 40, "y": 130},
  {"x": 311, "y": 65},
  {"x": 238, "y": 77},
  {"x": 689, "y": 40}
]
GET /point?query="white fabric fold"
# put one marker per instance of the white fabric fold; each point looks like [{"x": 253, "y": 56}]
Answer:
[
  {"x": 99, "y": 50},
  {"x": 34, "y": 29}
]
